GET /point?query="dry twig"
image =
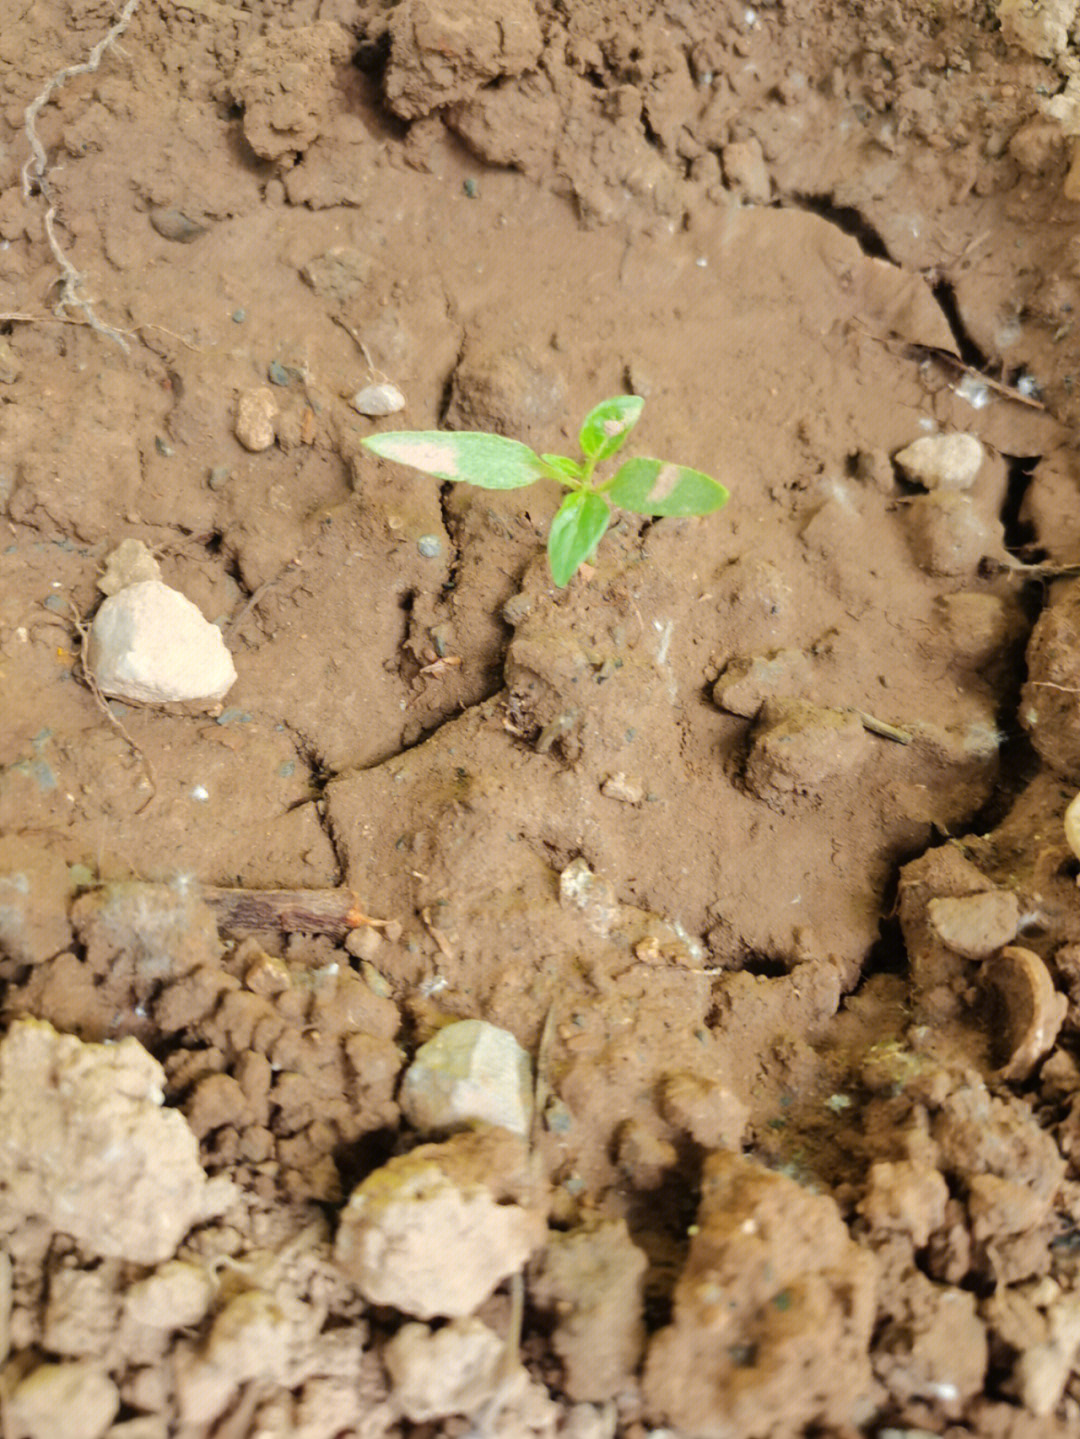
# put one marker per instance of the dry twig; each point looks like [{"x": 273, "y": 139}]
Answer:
[{"x": 291, "y": 911}]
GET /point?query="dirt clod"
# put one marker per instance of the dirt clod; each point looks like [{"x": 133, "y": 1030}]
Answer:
[
  {"x": 87, "y": 1147},
  {"x": 428, "y": 1235}
]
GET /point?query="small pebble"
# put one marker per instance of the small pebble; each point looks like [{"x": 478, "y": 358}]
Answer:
[
  {"x": 430, "y": 546},
  {"x": 277, "y": 374},
  {"x": 471, "y": 1073},
  {"x": 175, "y": 225},
  {"x": 163, "y": 447},
  {"x": 239, "y": 316},
  {"x": 619, "y": 786},
  {"x": 471, "y": 188},
  {"x": 942, "y": 462},
  {"x": 377, "y": 400},
  {"x": 255, "y": 411},
  {"x": 219, "y": 477}
]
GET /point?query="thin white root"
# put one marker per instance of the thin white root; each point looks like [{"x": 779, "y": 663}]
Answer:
[{"x": 35, "y": 177}]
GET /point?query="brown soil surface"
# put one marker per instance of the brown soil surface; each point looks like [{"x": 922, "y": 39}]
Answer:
[{"x": 752, "y": 836}]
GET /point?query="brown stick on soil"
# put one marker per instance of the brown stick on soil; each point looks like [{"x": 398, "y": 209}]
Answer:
[{"x": 293, "y": 911}]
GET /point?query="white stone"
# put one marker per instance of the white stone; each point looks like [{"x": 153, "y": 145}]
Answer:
[
  {"x": 942, "y": 462},
  {"x": 471, "y": 1072},
  {"x": 452, "y": 1370},
  {"x": 255, "y": 412},
  {"x": 378, "y": 400},
  {"x": 149, "y": 642},
  {"x": 128, "y": 564}
]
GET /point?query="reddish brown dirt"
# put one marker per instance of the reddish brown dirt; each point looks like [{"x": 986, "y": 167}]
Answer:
[{"x": 752, "y": 836}]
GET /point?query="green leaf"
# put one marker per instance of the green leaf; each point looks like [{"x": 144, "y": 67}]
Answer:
[
  {"x": 607, "y": 426},
  {"x": 565, "y": 470},
  {"x": 490, "y": 461},
  {"x": 575, "y": 533},
  {"x": 654, "y": 487}
]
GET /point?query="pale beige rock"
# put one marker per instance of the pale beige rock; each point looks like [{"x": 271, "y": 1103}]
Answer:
[
  {"x": 626, "y": 789},
  {"x": 378, "y": 400},
  {"x": 86, "y": 1146},
  {"x": 1072, "y": 825},
  {"x": 974, "y": 925},
  {"x": 62, "y": 1401},
  {"x": 150, "y": 643},
  {"x": 255, "y": 414},
  {"x": 942, "y": 462},
  {"x": 472, "y": 1072},
  {"x": 436, "y": 1373}
]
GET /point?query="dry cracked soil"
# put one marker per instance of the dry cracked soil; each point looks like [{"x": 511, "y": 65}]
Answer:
[{"x": 752, "y": 836}]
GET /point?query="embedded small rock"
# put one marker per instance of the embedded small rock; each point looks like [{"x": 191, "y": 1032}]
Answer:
[
  {"x": 255, "y": 412},
  {"x": 624, "y": 788},
  {"x": 378, "y": 400},
  {"x": 150, "y": 643},
  {"x": 974, "y": 925},
  {"x": 942, "y": 462},
  {"x": 436, "y": 1373},
  {"x": 172, "y": 224},
  {"x": 471, "y": 1073}
]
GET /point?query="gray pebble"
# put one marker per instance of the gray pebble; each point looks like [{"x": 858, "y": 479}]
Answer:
[
  {"x": 175, "y": 225},
  {"x": 430, "y": 546}
]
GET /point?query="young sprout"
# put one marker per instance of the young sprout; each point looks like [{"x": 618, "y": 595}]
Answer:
[{"x": 493, "y": 462}]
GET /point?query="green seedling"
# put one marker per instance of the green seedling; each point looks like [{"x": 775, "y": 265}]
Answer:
[{"x": 493, "y": 462}]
